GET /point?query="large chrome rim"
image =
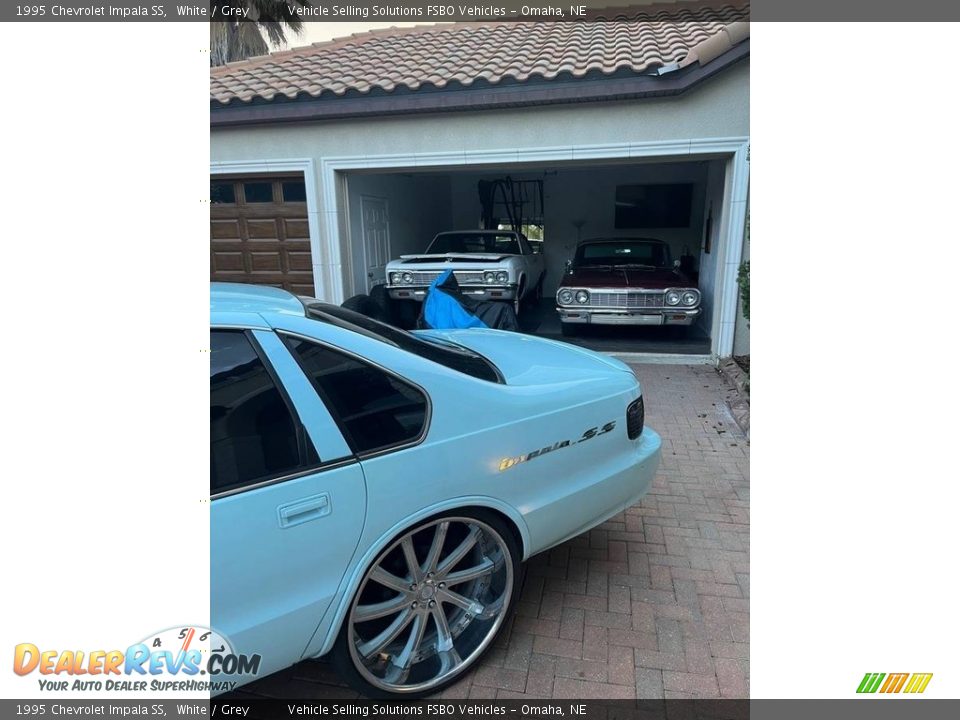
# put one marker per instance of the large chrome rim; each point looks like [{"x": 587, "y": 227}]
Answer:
[{"x": 430, "y": 605}]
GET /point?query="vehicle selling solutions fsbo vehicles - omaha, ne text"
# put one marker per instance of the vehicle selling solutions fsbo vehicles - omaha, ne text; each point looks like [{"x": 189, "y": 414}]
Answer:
[
  {"x": 488, "y": 265},
  {"x": 373, "y": 491},
  {"x": 625, "y": 281}
]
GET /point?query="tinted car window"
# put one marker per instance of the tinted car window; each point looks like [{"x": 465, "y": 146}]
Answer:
[
  {"x": 375, "y": 410},
  {"x": 654, "y": 254},
  {"x": 474, "y": 243},
  {"x": 455, "y": 357},
  {"x": 253, "y": 434}
]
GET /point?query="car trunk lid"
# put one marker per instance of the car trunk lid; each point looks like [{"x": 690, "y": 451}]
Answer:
[{"x": 526, "y": 360}]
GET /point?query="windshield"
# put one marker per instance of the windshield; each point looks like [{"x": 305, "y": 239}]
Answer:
[
  {"x": 505, "y": 244},
  {"x": 644, "y": 253},
  {"x": 450, "y": 355}
]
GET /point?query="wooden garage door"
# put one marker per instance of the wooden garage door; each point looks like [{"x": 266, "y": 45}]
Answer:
[{"x": 259, "y": 233}]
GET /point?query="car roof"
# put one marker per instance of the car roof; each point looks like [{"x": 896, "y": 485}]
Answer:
[{"x": 240, "y": 298}]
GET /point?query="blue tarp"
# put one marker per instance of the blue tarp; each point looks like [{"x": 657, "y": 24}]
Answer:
[{"x": 444, "y": 312}]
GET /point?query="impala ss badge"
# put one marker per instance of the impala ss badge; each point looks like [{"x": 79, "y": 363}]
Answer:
[{"x": 593, "y": 432}]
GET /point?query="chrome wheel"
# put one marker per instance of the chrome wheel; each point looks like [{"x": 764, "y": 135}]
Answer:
[{"x": 430, "y": 605}]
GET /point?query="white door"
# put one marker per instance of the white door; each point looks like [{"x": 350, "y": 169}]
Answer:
[{"x": 375, "y": 226}]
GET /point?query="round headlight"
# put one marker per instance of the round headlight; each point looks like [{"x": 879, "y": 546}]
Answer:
[
  {"x": 502, "y": 276},
  {"x": 689, "y": 298},
  {"x": 407, "y": 278},
  {"x": 489, "y": 277},
  {"x": 583, "y": 297},
  {"x": 394, "y": 278},
  {"x": 672, "y": 297},
  {"x": 565, "y": 297}
]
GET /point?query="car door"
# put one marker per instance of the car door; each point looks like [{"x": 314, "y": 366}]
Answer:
[{"x": 288, "y": 499}]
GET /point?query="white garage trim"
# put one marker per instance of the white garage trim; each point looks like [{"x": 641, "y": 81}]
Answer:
[
  {"x": 297, "y": 165},
  {"x": 734, "y": 213}
]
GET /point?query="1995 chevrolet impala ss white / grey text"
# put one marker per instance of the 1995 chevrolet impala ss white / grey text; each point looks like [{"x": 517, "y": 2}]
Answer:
[{"x": 374, "y": 491}]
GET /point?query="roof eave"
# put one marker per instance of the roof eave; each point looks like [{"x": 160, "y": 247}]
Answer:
[{"x": 488, "y": 98}]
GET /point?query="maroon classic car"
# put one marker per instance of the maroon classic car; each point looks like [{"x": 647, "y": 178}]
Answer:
[{"x": 625, "y": 281}]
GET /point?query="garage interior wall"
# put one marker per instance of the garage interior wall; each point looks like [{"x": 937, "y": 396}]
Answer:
[
  {"x": 586, "y": 197},
  {"x": 419, "y": 208},
  {"x": 579, "y": 204},
  {"x": 709, "y": 245}
]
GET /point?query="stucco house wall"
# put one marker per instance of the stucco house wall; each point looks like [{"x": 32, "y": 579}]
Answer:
[{"x": 718, "y": 108}]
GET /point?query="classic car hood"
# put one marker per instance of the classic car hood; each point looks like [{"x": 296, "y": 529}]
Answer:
[
  {"x": 452, "y": 258},
  {"x": 592, "y": 277},
  {"x": 527, "y": 360}
]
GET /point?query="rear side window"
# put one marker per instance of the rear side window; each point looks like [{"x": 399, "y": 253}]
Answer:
[
  {"x": 375, "y": 410},
  {"x": 455, "y": 357},
  {"x": 254, "y": 435}
]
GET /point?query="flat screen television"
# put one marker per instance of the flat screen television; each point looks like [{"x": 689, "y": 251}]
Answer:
[{"x": 653, "y": 206}]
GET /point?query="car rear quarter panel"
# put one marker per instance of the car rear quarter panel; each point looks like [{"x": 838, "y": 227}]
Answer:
[{"x": 474, "y": 426}]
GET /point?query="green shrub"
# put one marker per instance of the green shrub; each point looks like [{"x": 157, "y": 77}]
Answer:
[{"x": 743, "y": 280}]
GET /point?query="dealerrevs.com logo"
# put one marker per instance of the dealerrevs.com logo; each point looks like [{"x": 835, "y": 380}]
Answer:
[
  {"x": 911, "y": 683},
  {"x": 182, "y": 659}
]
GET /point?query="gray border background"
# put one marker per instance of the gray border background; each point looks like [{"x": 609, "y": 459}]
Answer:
[
  {"x": 873, "y": 708},
  {"x": 760, "y": 10}
]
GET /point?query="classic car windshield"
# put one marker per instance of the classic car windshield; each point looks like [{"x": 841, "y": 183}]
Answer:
[
  {"x": 505, "y": 244},
  {"x": 629, "y": 252},
  {"x": 455, "y": 357}
]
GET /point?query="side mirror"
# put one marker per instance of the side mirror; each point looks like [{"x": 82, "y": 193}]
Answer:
[
  {"x": 569, "y": 266},
  {"x": 537, "y": 248},
  {"x": 676, "y": 263}
]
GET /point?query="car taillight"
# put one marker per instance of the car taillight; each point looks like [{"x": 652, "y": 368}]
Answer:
[{"x": 635, "y": 418}]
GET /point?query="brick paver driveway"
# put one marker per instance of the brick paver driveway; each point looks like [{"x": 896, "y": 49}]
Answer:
[{"x": 653, "y": 603}]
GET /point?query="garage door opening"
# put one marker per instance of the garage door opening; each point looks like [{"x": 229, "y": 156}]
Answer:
[{"x": 678, "y": 202}]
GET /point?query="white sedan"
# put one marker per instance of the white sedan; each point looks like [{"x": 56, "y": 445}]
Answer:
[{"x": 488, "y": 264}]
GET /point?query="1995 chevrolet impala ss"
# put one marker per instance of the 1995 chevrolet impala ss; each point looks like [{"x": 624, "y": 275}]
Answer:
[{"x": 374, "y": 491}]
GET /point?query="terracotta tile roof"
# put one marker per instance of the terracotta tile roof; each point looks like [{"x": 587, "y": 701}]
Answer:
[{"x": 636, "y": 40}]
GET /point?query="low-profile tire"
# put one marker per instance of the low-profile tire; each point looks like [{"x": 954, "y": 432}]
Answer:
[
  {"x": 429, "y": 606},
  {"x": 568, "y": 329}
]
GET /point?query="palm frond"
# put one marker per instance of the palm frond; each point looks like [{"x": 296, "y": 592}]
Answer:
[{"x": 270, "y": 23}]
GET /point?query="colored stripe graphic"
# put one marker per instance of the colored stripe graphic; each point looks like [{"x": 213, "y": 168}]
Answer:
[
  {"x": 894, "y": 682},
  {"x": 918, "y": 682},
  {"x": 870, "y": 682}
]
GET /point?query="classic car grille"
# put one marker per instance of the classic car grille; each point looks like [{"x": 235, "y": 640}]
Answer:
[
  {"x": 635, "y": 418},
  {"x": 425, "y": 277},
  {"x": 626, "y": 299}
]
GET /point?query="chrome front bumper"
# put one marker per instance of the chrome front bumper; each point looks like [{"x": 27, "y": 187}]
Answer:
[
  {"x": 485, "y": 292},
  {"x": 614, "y": 316}
]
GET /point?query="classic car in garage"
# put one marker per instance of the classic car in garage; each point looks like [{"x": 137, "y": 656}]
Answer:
[
  {"x": 625, "y": 281},
  {"x": 373, "y": 491},
  {"x": 488, "y": 264}
]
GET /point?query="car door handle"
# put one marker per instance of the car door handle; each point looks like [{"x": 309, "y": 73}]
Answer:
[{"x": 304, "y": 510}]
